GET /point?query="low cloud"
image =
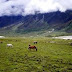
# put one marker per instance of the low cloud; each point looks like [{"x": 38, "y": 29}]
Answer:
[{"x": 25, "y": 7}]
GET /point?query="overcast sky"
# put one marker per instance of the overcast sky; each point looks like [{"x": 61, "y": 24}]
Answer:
[{"x": 25, "y": 7}]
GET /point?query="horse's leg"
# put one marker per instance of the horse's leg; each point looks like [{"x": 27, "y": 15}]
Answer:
[
  {"x": 36, "y": 49},
  {"x": 29, "y": 49}
]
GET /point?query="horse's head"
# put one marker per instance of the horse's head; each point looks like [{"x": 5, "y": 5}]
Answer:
[{"x": 29, "y": 45}]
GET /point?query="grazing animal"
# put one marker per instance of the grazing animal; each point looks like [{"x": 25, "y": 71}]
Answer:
[
  {"x": 32, "y": 47},
  {"x": 16, "y": 40},
  {"x": 9, "y": 45},
  {"x": 1, "y": 42},
  {"x": 35, "y": 42},
  {"x": 71, "y": 44}
]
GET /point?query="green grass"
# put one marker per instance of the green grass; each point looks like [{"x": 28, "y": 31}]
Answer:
[{"x": 53, "y": 55}]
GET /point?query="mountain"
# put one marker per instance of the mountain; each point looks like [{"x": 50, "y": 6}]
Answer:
[{"x": 59, "y": 21}]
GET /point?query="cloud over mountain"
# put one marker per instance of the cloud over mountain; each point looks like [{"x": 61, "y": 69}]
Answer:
[{"x": 25, "y": 7}]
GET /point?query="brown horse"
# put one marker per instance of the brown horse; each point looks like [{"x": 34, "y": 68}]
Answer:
[{"x": 32, "y": 47}]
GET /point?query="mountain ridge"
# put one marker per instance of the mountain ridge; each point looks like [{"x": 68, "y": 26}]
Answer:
[{"x": 38, "y": 22}]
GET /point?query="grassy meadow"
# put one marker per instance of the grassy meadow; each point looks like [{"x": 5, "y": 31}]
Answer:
[{"x": 53, "y": 55}]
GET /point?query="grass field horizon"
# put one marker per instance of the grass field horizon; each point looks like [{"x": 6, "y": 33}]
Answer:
[{"x": 53, "y": 55}]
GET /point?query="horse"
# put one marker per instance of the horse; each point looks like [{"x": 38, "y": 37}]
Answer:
[
  {"x": 1, "y": 42},
  {"x": 32, "y": 47},
  {"x": 9, "y": 45},
  {"x": 35, "y": 42}
]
